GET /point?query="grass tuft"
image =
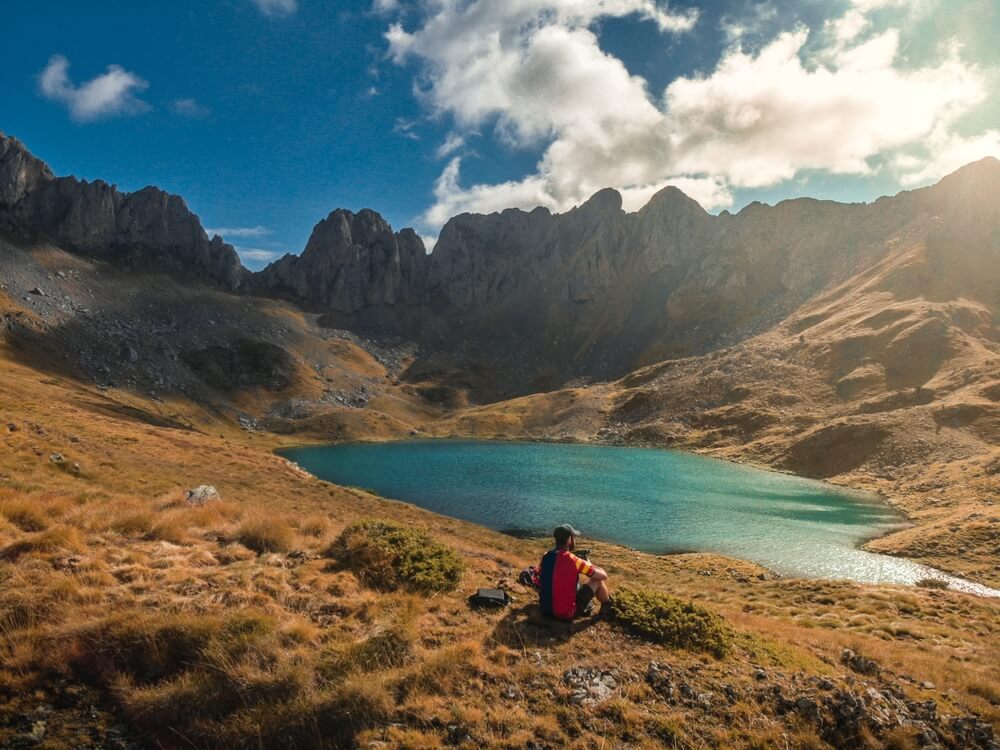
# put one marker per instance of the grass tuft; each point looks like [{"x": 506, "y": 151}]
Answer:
[
  {"x": 932, "y": 583},
  {"x": 56, "y": 539},
  {"x": 135, "y": 523},
  {"x": 263, "y": 534},
  {"x": 315, "y": 526},
  {"x": 390, "y": 556},
  {"x": 671, "y": 621},
  {"x": 388, "y": 649},
  {"x": 27, "y": 516}
]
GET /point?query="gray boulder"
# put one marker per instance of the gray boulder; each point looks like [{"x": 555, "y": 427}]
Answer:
[{"x": 202, "y": 494}]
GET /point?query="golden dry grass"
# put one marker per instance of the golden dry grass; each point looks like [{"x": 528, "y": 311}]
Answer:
[
  {"x": 179, "y": 628},
  {"x": 263, "y": 533}
]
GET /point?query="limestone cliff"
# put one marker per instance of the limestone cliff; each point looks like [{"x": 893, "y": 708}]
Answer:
[
  {"x": 535, "y": 298},
  {"x": 351, "y": 262},
  {"x": 148, "y": 230}
]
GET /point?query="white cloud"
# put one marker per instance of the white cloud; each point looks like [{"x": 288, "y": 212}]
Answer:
[
  {"x": 710, "y": 192},
  {"x": 537, "y": 71},
  {"x": 944, "y": 152},
  {"x": 752, "y": 23},
  {"x": 383, "y": 7},
  {"x": 534, "y": 71},
  {"x": 110, "y": 94},
  {"x": 867, "y": 6},
  {"x": 848, "y": 26},
  {"x": 277, "y": 7},
  {"x": 451, "y": 144},
  {"x": 257, "y": 254},
  {"x": 429, "y": 240},
  {"x": 190, "y": 108},
  {"x": 451, "y": 198},
  {"x": 406, "y": 128},
  {"x": 257, "y": 231},
  {"x": 760, "y": 119}
]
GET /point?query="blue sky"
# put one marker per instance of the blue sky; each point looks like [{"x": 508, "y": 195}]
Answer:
[{"x": 267, "y": 114}]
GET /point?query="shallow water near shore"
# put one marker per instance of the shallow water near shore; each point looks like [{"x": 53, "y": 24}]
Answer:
[{"x": 653, "y": 500}]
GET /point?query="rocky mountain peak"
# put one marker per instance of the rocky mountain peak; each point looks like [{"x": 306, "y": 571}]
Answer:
[
  {"x": 604, "y": 202},
  {"x": 674, "y": 200},
  {"x": 148, "y": 230},
  {"x": 351, "y": 261},
  {"x": 974, "y": 183},
  {"x": 20, "y": 171}
]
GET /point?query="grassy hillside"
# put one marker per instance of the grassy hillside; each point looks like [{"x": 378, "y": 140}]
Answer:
[{"x": 132, "y": 619}]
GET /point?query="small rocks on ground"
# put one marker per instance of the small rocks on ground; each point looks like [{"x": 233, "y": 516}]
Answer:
[
  {"x": 858, "y": 663},
  {"x": 590, "y": 685}
]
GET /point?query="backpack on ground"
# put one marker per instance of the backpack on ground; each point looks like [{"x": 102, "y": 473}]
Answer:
[{"x": 493, "y": 598}]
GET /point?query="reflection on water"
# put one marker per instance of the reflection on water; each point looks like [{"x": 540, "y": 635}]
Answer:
[{"x": 654, "y": 500}]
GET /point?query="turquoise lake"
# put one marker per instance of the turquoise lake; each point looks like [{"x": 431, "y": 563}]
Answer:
[{"x": 657, "y": 501}]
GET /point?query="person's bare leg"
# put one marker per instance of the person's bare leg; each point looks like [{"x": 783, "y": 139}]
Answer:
[{"x": 600, "y": 589}]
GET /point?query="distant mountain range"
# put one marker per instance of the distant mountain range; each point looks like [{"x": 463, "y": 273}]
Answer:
[{"x": 536, "y": 299}]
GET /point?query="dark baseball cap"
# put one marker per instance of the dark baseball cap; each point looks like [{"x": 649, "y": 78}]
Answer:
[{"x": 564, "y": 532}]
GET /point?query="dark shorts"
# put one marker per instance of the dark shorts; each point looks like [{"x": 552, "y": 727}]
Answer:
[{"x": 584, "y": 595}]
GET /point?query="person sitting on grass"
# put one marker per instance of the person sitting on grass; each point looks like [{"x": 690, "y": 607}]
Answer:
[{"x": 560, "y": 592}]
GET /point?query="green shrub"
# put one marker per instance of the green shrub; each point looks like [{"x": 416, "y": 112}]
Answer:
[
  {"x": 671, "y": 621},
  {"x": 390, "y": 556}
]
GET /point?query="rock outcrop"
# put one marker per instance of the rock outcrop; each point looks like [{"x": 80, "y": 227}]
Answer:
[
  {"x": 20, "y": 173},
  {"x": 351, "y": 262},
  {"x": 149, "y": 230}
]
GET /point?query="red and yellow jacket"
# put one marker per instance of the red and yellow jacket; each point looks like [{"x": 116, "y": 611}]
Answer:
[{"x": 560, "y": 574}]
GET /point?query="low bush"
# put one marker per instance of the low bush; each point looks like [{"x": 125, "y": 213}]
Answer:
[
  {"x": 312, "y": 722},
  {"x": 671, "y": 621},
  {"x": 263, "y": 534},
  {"x": 390, "y": 556}
]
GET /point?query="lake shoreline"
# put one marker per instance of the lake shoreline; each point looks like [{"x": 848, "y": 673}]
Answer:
[{"x": 859, "y": 494}]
